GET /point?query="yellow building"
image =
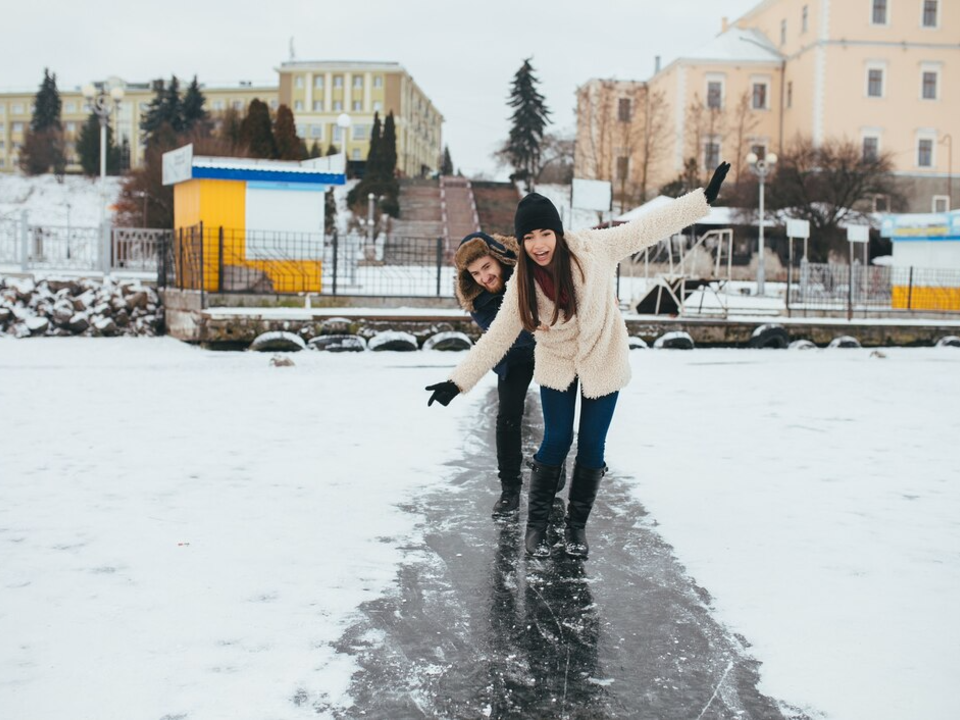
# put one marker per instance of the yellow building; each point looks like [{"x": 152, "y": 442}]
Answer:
[
  {"x": 316, "y": 92},
  {"x": 876, "y": 72}
]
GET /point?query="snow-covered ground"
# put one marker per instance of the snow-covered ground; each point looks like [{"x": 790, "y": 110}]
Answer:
[
  {"x": 185, "y": 533},
  {"x": 74, "y": 202}
]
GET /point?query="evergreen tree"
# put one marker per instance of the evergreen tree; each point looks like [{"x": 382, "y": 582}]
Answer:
[
  {"x": 43, "y": 142},
  {"x": 285, "y": 133},
  {"x": 171, "y": 106},
  {"x": 194, "y": 117},
  {"x": 88, "y": 148},
  {"x": 529, "y": 121},
  {"x": 46, "y": 105},
  {"x": 373, "y": 169},
  {"x": 446, "y": 168},
  {"x": 331, "y": 150},
  {"x": 256, "y": 132},
  {"x": 229, "y": 130},
  {"x": 388, "y": 148},
  {"x": 315, "y": 151}
]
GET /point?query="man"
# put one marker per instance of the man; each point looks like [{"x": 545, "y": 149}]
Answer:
[{"x": 484, "y": 264}]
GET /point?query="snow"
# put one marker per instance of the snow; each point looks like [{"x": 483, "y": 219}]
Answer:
[
  {"x": 197, "y": 528},
  {"x": 74, "y": 202}
]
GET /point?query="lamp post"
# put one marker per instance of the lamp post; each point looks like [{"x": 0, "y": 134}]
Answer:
[
  {"x": 102, "y": 107},
  {"x": 344, "y": 122},
  {"x": 948, "y": 141},
  {"x": 761, "y": 167}
]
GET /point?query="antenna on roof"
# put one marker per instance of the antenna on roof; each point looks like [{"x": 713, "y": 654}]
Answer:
[{"x": 293, "y": 54}]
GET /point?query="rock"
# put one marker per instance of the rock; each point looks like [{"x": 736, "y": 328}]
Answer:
[
  {"x": 637, "y": 343},
  {"x": 6, "y": 315},
  {"x": 78, "y": 324},
  {"x": 844, "y": 341},
  {"x": 22, "y": 288},
  {"x": 105, "y": 326},
  {"x": 338, "y": 343},
  {"x": 85, "y": 300},
  {"x": 394, "y": 340},
  {"x": 278, "y": 341},
  {"x": 451, "y": 340},
  {"x": 104, "y": 309},
  {"x": 281, "y": 361},
  {"x": 136, "y": 300},
  {"x": 878, "y": 354},
  {"x": 63, "y": 311},
  {"x": 336, "y": 326},
  {"x": 676, "y": 340},
  {"x": 37, "y": 325},
  {"x": 57, "y": 285},
  {"x": 801, "y": 345},
  {"x": 121, "y": 318}
]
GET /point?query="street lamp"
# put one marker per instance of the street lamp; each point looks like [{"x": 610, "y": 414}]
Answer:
[
  {"x": 344, "y": 122},
  {"x": 761, "y": 167},
  {"x": 102, "y": 107}
]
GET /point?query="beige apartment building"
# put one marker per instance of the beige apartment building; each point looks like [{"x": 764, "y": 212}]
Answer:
[
  {"x": 317, "y": 92},
  {"x": 881, "y": 73}
]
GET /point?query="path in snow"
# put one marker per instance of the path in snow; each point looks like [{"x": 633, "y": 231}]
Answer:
[{"x": 476, "y": 629}]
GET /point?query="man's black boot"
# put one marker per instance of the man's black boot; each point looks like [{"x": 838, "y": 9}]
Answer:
[
  {"x": 509, "y": 460},
  {"x": 583, "y": 491},
  {"x": 543, "y": 487}
]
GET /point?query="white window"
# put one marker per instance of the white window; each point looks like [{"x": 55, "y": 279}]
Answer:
[
  {"x": 337, "y": 105},
  {"x": 2, "y": 162},
  {"x": 761, "y": 95},
  {"x": 711, "y": 153},
  {"x": 357, "y": 105},
  {"x": 2, "y": 144},
  {"x": 2, "y": 128},
  {"x": 875, "y": 84},
  {"x": 70, "y": 107},
  {"x": 17, "y": 108},
  {"x": 358, "y": 81},
  {"x": 931, "y": 14},
  {"x": 318, "y": 81},
  {"x": 359, "y": 132},
  {"x": 941, "y": 203},
  {"x": 17, "y": 127},
  {"x": 879, "y": 14},
  {"x": 316, "y": 131},
  {"x": 871, "y": 148},
  {"x": 218, "y": 104},
  {"x": 274, "y": 104},
  {"x": 71, "y": 127},
  {"x": 804, "y": 18},
  {"x": 337, "y": 133},
  {"x": 144, "y": 106},
  {"x": 318, "y": 105},
  {"x": 355, "y": 155},
  {"x": 377, "y": 106},
  {"x": 338, "y": 81},
  {"x": 929, "y": 82},
  {"x": 299, "y": 81},
  {"x": 3, "y": 109},
  {"x": 925, "y": 147},
  {"x": 715, "y": 93},
  {"x": 238, "y": 104},
  {"x": 298, "y": 105},
  {"x": 378, "y": 81}
]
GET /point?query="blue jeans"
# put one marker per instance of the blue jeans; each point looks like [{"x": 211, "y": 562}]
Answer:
[{"x": 558, "y": 414}]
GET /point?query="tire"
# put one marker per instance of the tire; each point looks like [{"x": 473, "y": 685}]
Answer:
[
  {"x": 802, "y": 345},
  {"x": 772, "y": 337},
  {"x": 948, "y": 341},
  {"x": 844, "y": 341},
  {"x": 677, "y": 340}
]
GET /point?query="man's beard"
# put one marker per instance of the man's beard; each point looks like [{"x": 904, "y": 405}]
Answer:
[{"x": 496, "y": 288}]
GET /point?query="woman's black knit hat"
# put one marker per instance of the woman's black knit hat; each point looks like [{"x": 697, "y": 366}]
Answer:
[{"x": 535, "y": 212}]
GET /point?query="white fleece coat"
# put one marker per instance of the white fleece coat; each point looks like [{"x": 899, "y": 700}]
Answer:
[{"x": 593, "y": 343}]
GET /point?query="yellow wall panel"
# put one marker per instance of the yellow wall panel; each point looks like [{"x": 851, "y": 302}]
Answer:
[{"x": 925, "y": 298}]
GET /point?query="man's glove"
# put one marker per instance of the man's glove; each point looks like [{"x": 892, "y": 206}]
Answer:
[
  {"x": 443, "y": 392},
  {"x": 713, "y": 189}
]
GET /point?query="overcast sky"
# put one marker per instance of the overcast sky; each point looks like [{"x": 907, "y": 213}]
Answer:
[{"x": 463, "y": 55}]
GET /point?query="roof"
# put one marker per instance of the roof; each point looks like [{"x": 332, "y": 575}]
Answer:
[
  {"x": 724, "y": 216},
  {"x": 735, "y": 45},
  {"x": 181, "y": 164}
]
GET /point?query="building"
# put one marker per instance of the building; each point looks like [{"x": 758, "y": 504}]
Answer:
[
  {"x": 876, "y": 72},
  {"x": 316, "y": 92}
]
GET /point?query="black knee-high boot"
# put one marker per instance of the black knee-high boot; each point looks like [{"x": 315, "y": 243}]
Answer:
[
  {"x": 583, "y": 491},
  {"x": 544, "y": 480}
]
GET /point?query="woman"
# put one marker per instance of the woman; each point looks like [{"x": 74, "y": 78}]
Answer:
[{"x": 563, "y": 292}]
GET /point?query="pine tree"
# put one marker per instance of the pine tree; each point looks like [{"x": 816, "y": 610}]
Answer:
[
  {"x": 285, "y": 134},
  {"x": 331, "y": 150},
  {"x": 315, "y": 151},
  {"x": 194, "y": 117},
  {"x": 171, "y": 107},
  {"x": 446, "y": 167},
  {"x": 529, "y": 121},
  {"x": 256, "y": 132},
  {"x": 43, "y": 142},
  {"x": 46, "y": 105},
  {"x": 388, "y": 148},
  {"x": 88, "y": 148},
  {"x": 373, "y": 168}
]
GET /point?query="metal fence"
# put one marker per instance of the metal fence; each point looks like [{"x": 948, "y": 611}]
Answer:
[
  {"x": 225, "y": 260},
  {"x": 858, "y": 288}
]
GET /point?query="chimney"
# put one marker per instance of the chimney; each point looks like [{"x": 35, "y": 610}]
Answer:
[
  {"x": 656, "y": 64},
  {"x": 724, "y": 25}
]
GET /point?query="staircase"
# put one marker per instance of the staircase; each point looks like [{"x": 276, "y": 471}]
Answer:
[
  {"x": 459, "y": 210},
  {"x": 496, "y": 204},
  {"x": 420, "y": 214}
]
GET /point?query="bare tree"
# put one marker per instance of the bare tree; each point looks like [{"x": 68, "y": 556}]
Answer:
[
  {"x": 556, "y": 159},
  {"x": 654, "y": 145},
  {"x": 594, "y": 125},
  {"x": 745, "y": 121},
  {"x": 703, "y": 123}
]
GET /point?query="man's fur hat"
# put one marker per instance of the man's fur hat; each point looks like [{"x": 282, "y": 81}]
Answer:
[{"x": 473, "y": 247}]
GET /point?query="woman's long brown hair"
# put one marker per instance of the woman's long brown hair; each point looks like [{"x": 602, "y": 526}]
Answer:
[{"x": 560, "y": 269}]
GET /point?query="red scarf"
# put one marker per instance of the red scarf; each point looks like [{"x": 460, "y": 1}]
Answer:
[{"x": 545, "y": 280}]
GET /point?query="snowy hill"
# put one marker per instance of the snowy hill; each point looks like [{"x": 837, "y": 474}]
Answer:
[{"x": 49, "y": 202}]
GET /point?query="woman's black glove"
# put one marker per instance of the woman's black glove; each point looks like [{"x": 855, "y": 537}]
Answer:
[
  {"x": 443, "y": 392},
  {"x": 713, "y": 189}
]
